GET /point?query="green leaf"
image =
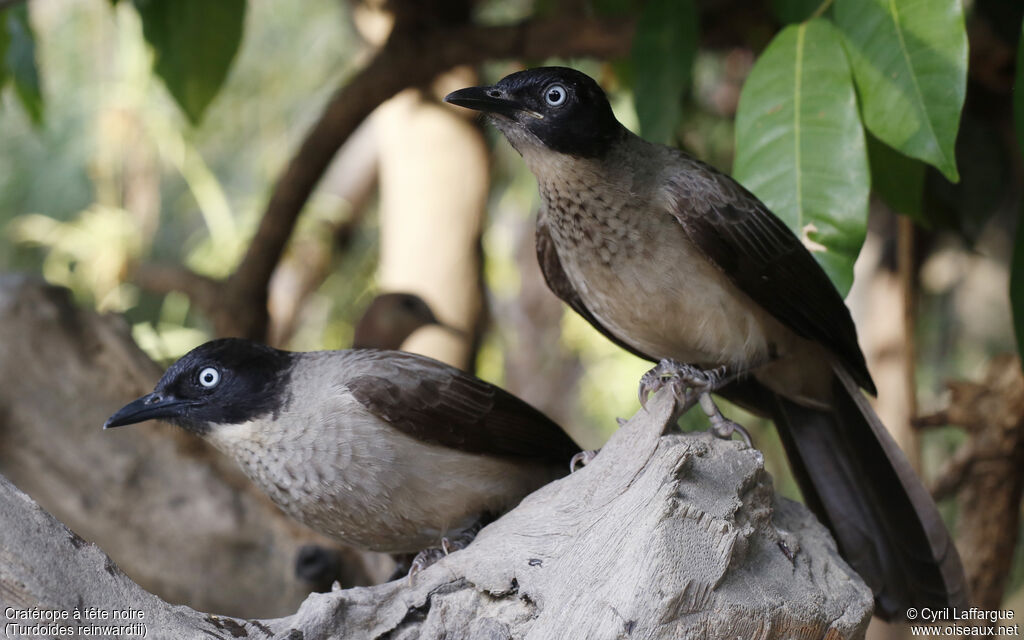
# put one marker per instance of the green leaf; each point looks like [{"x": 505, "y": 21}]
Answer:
[
  {"x": 194, "y": 42},
  {"x": 664, "y": 48},
  {"x": 20, "y": 60},
  {"x": 909, "y": 60},
  {"x": 897, "y": 179},
  {"x": 800, "y": 144},
  {"x": 788, "y": 11},
  {"x": 5, "y": 41}
]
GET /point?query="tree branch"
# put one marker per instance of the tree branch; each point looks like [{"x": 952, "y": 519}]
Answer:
[
  {"x": 984, "y": 474},
  {"x": 408, "y": 59},
  {"x": 202, "y": 291}
]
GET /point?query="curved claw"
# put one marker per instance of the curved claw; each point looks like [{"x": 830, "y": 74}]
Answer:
[
  {"x": 582, "y": 459},
  {"x": 419, "y": 563},
  {"x": 649, "y": 383},
  {"x": 665, "y": 372},
  {"x": 727, "y": 428},
  {"x": 722, "y": 427}
]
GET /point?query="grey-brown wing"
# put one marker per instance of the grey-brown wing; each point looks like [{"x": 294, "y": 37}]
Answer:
[
  {"x": 558, "y": 282},
  {"x": 442, "y": 405},
  {"x": 762, "y": 257}
]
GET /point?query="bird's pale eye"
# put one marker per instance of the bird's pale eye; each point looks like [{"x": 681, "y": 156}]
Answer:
[
  {"x": 209, "y": 377},
  {"x": 555, "y": 95}
]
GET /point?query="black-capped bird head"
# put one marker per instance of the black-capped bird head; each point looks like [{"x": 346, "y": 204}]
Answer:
[
  {"x": 558, "y": 108},
  {"x": 227, "y": 381},
  {"x": 391, "y": 318}
]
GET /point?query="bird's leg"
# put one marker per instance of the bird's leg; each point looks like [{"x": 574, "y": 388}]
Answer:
[
  {"x": 721, "y": 426},
  {"x": 692, "y": 384}
]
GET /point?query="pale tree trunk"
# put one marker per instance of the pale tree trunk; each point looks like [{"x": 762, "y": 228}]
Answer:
[
  {"x": 433, "y": 192},
  {"x": 879, "y": 302}
]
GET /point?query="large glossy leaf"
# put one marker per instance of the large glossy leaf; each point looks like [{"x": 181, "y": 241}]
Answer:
[
  {"x": 664, "y": 48},
  {"x": 794, "y": 10},
  {"x": 20, "y": 60},
  {"x": 1017, "y": 265},
  {"x": 194, "y": 42},
  {"x": 800, "y": 144},
  {"x": 909, "y": 60}
]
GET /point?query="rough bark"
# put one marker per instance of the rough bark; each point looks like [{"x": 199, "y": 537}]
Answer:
[
  {"x": 661, "y": 536},
  {"x": 985, "y": 475},
  {"x": 175, "y": 515}
]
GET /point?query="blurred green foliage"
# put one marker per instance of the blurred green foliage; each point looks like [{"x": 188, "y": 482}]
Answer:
[
  {"x": 115, "y": 161},
  {"x": 662, "y": 65}
]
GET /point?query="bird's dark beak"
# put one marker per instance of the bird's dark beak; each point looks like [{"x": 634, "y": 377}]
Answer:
[
  {"x": 433, "y": 321},
  {"x": 488, "y": 100},
  {"x": 149, "y": 407},
  {"x": 455, "y": 331}
]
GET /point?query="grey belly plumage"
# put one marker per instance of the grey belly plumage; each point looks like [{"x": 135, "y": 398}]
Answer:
[{"x": 372, "y": 486}]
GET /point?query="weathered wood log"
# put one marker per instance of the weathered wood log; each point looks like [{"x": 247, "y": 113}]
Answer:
[
  {"x": 660, "y": 536},
  {"x": 179, "y": 518}
]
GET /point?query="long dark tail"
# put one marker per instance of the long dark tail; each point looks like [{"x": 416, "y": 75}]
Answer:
[{"x": 859, "y": 484}]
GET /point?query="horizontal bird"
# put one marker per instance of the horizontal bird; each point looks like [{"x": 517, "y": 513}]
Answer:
[{"x": 382, "y": 450}]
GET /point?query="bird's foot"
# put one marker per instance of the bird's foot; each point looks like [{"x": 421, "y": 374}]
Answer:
[
  {"x": 691, "y": 384},
  {"x": 582, "y": 459},
  {"x": 448, "y": 545},
  {"x": 722, "y": 427},
  {"x": 686, "y": 380},
  {"x": 423, "y": 560}
]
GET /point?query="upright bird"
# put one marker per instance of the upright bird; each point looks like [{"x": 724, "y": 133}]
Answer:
[
  {"x": 382, "y": 450},
  {"x": 675, "y": 261}
]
